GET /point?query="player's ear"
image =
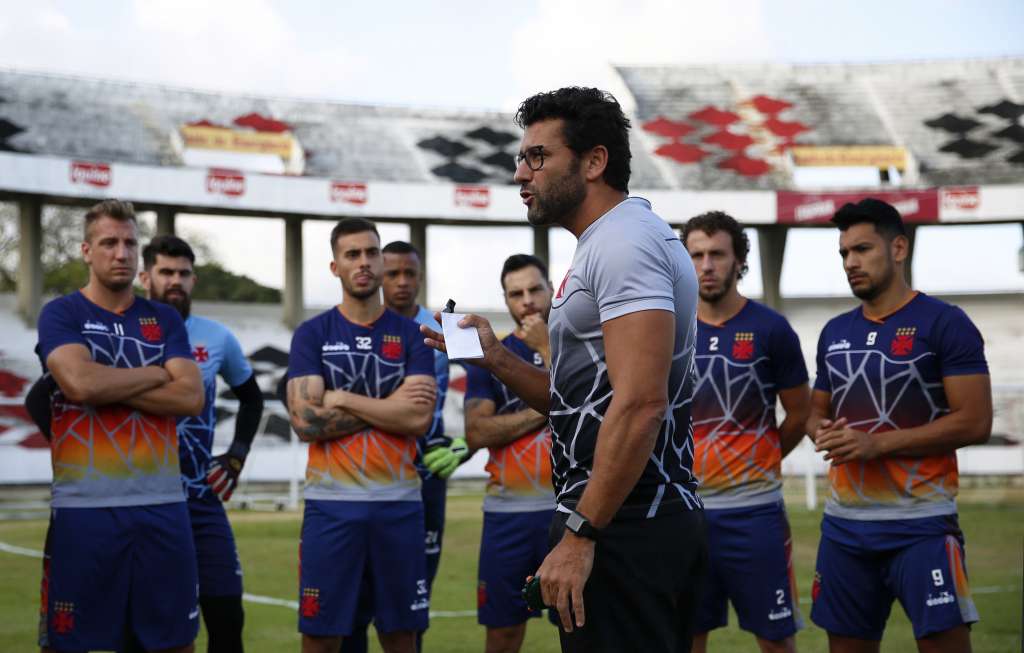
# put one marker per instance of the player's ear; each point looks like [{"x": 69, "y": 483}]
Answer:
[
  {"x": 334, "y": 268},
  {"x": 144, "y": 278},
  {"x": 900, "y": 248},
  {"x": 595, "y": 161}
]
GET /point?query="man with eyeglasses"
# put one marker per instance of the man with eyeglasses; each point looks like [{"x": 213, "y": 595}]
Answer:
[{"x": 628, "y": 539}]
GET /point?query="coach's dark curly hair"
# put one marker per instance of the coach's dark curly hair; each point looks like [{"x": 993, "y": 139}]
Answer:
[
  {"x": 591, "y": 117},
  {"x": 715, "y": 221}
]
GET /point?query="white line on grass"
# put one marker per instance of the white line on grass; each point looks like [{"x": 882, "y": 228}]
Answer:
[
  {"x": 438, "y": 614},
  {"x": 251, "y": 598}
]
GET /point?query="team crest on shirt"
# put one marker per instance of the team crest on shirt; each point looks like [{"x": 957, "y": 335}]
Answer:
[
  {"x": 150, "y": 329},
  {"x": 310, "y": 604},
  {"x": 391, "y": 347},
  {"x": 201, "y": 354},
  {"x": 743, "y": 345},
  {"x": 903, "y": 343},
  {"x": 63, "y": 617}
]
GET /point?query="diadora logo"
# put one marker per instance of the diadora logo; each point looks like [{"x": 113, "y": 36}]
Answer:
[
  {"x": 781, "y": 613},
  {"x": 364, "y": 342},
  {"x": 842, "y": 344},
  {"x": 943, "y": 598},
  {"x": 94, "y": 326},
  {"x": 335, "y": 346}
]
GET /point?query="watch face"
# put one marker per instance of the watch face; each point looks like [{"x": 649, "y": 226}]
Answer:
[{"x": 574, "y": 522}]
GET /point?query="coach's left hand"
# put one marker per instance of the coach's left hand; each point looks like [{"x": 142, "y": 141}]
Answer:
[
  {"x": 844, "y": 444},
  {"x": 564, "y": 574}
]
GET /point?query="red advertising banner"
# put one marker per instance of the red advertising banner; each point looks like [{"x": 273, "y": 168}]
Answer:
[
  {"x": 225, "y": 182},
  {"x": 915, "y": 206},
  {"x": 349, "y": 192},
  {"x": 94, "y": 174},
  {"x": 476, "y": 197}
]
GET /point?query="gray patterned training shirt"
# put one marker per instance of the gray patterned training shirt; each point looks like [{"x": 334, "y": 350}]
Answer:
[{"x": 629, "y": 260}]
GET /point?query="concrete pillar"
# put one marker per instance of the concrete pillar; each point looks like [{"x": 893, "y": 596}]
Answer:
[
  {"x": 165, "y": 220},
  {"x": 542, "y": 244},
  {"x": 30, "y": 265},
  {"x": 771, "y": 245},
  {"x": 294, "y": 308},
  {"x": 909, "y": 265},
  {"x": 418, "y": 239}
]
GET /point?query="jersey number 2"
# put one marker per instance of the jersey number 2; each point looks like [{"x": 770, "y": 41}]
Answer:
[{"x": 713, "y": 343}]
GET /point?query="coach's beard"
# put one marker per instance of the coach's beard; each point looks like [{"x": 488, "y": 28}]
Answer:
[{"x": 561, "y": 199}]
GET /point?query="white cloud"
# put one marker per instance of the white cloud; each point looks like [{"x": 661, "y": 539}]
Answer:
[
  {"x": 576, "y": 42},
  {"x": 231, "y": 45}
]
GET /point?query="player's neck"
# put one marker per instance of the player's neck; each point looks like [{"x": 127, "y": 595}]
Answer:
[
  {"x": 599, "y": 200},
  {"x": 361, "y": 311},
  {"x": 722, "y": 310},
  {"x": 410, "y": 311},
  {"x": 115, "y": 301},
  {"x": 889, "y": 300}
]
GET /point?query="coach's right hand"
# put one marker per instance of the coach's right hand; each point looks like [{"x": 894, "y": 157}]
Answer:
[{"x": 489, "y": 343}]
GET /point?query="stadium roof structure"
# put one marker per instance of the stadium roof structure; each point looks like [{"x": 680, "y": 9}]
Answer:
[{"x": 705, "y": 137}]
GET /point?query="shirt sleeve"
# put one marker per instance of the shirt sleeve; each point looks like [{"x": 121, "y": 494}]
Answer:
[
  {"x": 630, "y": 271},
  {"x": 479, "y": 384},
  {"x": 959, "y": 345},
  {"x": 57, "y": 326},
  {"x": 420, "y": 359},
  {"x": 234, "y": 368},
  {"x": 787, "y": 359},
  {"x": 822, "y": 381},
  {"x": 176, "y": 344},
  {"x": 304, "y": 355}
]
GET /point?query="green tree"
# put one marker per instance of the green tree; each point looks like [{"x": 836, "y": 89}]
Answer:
[{"x": 64, "y": 271}]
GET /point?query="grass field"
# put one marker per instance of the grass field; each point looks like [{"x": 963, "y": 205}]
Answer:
[{"x": 992, "y": 519}]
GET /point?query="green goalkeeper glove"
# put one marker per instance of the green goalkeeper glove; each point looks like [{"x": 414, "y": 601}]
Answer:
[{"x": 442, "y": 461}]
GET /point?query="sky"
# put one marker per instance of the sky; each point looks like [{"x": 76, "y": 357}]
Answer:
[{"x": 489, "y": 55}]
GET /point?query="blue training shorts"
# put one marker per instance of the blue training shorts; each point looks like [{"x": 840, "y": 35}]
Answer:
[
  {"x": 863, "y": 565},
  {"x": 220, "y": 572},
  {"x": 512, "y": 547},
  {"x": 750, "y": 565},
  {"x": 111, "y": 569},
  {"x": 362, "y": 552}
]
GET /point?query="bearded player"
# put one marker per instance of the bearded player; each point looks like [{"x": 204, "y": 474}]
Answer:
[
  {"x": 747, "y": 357},
  {"x": 361, "y": 391},
  {"x": 902, "y": 384}
]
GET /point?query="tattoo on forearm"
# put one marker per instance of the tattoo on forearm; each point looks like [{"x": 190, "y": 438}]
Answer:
[{"x": 327, "y": 423}]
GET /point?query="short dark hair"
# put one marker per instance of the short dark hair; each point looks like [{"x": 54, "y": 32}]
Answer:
[
  {"x": 166, "y": 245},
  {"x": 887, "y": 220},
  {"x": 591, "y": 117},
  {"x": 111, "y": 208},
  {"x": 401, "y": 247},
  {"x": 349, "y": 226},
  {"x": 520, "y": 261},
  {"x": 715, "y": 221}
]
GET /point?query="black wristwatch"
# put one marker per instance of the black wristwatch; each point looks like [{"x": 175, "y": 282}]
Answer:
[{"x": 581, "y": 526}]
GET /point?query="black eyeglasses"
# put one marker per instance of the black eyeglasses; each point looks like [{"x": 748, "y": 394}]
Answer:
[{"x": 534, "y": 157}]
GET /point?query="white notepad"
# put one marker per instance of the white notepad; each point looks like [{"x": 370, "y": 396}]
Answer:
[{"x": 462, "y": 343}]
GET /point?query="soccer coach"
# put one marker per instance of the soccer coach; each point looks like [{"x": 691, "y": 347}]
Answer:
[{"x": 628, "y": 544}]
